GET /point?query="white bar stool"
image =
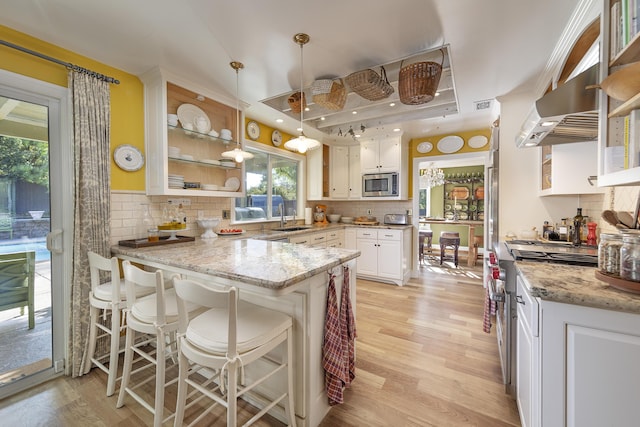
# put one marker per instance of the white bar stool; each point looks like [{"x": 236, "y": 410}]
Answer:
[{"x": 243, "y": 333}]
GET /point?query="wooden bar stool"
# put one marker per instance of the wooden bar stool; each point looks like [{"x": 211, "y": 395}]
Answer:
[
  {"x": 473, "y": 250},
  {"x": 449, "y": 240},
  {"x": 424, "y": 235}
]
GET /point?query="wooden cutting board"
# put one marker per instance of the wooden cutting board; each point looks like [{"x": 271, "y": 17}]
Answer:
[{"x": 366, "y": 222}]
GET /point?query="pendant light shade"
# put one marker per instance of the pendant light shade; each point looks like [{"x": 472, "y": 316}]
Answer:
[
  {"x": 301, "y": 144},
  {"x": 237, "y": 154}
]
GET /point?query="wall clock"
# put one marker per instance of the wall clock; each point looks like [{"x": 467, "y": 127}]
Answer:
[
  {"x": 253, "y": 130},
  {"x": 128, "y": 158},
  {"x": 276, "y": 138}
]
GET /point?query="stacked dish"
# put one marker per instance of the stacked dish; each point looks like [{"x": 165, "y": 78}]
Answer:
[
  {"x": 174, "y": 152},
  {"x": 227, "y": 163},
  {"x": 210, "y": 162},
  {"x": 176, "y": 181},
  {"x": 232, "y": 184},
  {"x": 186, "y": 157},
  {"x": 209, "y": 187},
  {"x": 347, "y": 219}
]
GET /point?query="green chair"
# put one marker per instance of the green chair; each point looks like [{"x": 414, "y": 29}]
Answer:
[{"x": 17, "y": 274}]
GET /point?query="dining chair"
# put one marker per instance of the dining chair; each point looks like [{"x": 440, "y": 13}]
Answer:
[
  {"x": 106, "y": 299},
  {"x": 449, "y": 240},
  {"x": 155, "y": 317},
  {"x": 244, "y": 333},
  {"x": 17, "y": 281}
]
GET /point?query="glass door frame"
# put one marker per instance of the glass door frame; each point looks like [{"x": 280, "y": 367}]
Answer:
[{"x": 61, "y": 167}]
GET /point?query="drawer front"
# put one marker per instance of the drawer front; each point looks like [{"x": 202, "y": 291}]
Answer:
[
  {"x": 366, "y": 233},
  {"x": 390, "y": 235},
  {"x": 527, "y": 307}
]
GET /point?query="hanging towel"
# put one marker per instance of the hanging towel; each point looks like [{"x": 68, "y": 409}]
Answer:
[
  {"x": 333, "y": 360},
  {"x": 338, "y": 350},
  {"x": 489, "y": 310}
]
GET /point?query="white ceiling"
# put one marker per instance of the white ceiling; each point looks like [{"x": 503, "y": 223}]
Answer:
[{"x": 496, "y": 47}]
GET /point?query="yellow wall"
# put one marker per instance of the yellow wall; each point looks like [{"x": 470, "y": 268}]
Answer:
[
  {"x": 413, "y": 148},
  {"x": 265, "y": 134},
  {"x": 127, "y": 104}
]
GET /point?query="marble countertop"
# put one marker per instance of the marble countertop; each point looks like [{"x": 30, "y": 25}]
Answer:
[
  {"x": 273, "y": 265},
  {"x": 575, "y": 285}
]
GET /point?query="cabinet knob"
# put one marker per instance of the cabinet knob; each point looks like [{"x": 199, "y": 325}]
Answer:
[{"x": 519, "y": 300}]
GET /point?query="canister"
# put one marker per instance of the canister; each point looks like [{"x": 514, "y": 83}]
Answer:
[
  {"x": 609, "y": 253},
  {"x": 630, "y": 257}
]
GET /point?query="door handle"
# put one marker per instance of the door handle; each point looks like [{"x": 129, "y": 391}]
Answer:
[{"x": 54, "y": 241}]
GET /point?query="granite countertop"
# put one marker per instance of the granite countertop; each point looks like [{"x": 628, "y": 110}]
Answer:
[
  {"x": 273, "y": 265},
  {"x": 575, "y": 285},
  {"x": 274, "y": 234}
]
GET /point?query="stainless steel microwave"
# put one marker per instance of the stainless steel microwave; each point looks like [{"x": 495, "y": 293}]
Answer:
[{"x": 380, "y": 184}]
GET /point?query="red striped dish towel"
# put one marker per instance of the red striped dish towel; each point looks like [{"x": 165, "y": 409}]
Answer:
[
  {"x": 338, "y": 349},
  {"x": 489, "y": 310}
]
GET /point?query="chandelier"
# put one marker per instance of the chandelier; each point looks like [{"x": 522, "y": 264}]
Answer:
[
  {"x": 431, "y": 177},
  {"x": 301, "y": 144}
]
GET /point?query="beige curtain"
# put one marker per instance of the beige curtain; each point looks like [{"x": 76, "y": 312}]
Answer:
[{"x": 91, "y": 121}]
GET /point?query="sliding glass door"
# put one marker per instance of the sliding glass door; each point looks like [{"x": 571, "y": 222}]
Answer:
[{"x": 31, "y": 285}]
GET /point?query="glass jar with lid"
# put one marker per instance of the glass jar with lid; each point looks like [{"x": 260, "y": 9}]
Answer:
[
  {"x": 630, "y": 257},
  {"x": 609, "y": 253}
]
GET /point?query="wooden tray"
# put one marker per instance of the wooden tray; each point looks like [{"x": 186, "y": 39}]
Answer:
[
  {"x": 143, "y": 243},
  {"x": 366, "y": 222},
  {"x": 459, "y": 193},
  {"x": 619, "y": 283}
]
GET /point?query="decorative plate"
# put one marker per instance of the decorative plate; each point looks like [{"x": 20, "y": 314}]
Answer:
[
  {"x": 128, "y": 157},
  {"x": 424, "y": 147},
  {"x": 276, "y": 138},
  {"x": 233, "y": 183},
  {"x": 450, "y": 144},
  {"x": 229, "y": 232},
  {"x": 477, "y": 141},
  {"x": 188, "y": 112},
  {"x": 253, "y": 130}
]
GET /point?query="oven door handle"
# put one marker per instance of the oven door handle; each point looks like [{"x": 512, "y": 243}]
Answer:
[{"x": 494, "y": 295}]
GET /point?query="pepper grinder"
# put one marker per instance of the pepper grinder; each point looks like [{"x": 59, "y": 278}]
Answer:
[{"x": 591, "y": 234}]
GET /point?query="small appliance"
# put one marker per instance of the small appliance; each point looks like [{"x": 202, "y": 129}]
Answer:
[
  {"x": 397, "y": 219},
  {"x": 380, "y": 184}
]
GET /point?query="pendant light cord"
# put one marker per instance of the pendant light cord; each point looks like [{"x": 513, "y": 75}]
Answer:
[{"x": 302, "y": 88}]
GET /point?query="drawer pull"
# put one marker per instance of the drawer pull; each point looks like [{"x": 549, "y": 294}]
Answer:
[{"x": 520, "y": 300}]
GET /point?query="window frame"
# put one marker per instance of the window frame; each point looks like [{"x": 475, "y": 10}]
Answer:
[{"x": 300, "y": 185}]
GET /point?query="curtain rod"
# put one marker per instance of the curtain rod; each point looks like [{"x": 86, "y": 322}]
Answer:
[{"x": 57, "y": 61}]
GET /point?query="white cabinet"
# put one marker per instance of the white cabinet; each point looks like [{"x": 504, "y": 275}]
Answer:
[
  {"x": 350, "y": 239},
  {"x": 311, "y": 239},
  {"x": 385, "y": 254},
  {"x": 315, "y": 161},
  {"x": 381, "y": 155},
  {"x": 582, "y": 370},
  {"x": 611, "y": 138},
  {"x": 335, "y": 238},
  {"x": 164, "y": 93},
  {"x": 346, "y": 178},
  {"x": 527, "y": 357},
  {"x": 566, "y": 168}
]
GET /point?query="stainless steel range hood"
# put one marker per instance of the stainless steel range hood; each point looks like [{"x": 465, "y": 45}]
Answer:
[{"x": 567, "y": 114}]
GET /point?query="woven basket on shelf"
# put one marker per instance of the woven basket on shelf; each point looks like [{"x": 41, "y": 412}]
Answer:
[
  {"x": 297, "y": 102},
  {"x": 369, "y": 84},
  {"x": 333, "y": 100},
  {"x": 418, "y": 82}
]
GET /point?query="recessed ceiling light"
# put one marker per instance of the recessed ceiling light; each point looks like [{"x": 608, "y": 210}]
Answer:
[
  {"x": 279, "y": 120},
  {"x": 306, "y": 108},
  {"x": 322, "y": 118},
  {"x": 393, "y": 104},
  {"x": 437, "y": 93},
  {"x": 354, "y": 112},
  {"x": 396, "y": 129},
  {"x": 357, "y": 135},
  {"x": 530, "y": 144},
  {"x": 549, "y": 123}
]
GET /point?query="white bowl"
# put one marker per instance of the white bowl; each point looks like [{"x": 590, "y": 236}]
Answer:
[
  {"x": 347, "y": 219},
  {"x": 334, "y": 217},
  {"x": 36, "y": 214},
  {"x": 208, "y": 224}
]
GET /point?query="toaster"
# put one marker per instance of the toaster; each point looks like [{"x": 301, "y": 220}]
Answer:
[{"x": 397, "y": 219}]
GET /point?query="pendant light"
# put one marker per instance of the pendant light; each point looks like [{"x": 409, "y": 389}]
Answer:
[
  {"x": 237, "y": 153},
  {"x": 301, "y": 144}
]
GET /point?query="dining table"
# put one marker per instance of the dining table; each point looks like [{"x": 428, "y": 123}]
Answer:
[{"x": 471, "y": 226}]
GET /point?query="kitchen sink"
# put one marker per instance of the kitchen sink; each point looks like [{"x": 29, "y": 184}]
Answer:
[{"x": 294, "y": 228}]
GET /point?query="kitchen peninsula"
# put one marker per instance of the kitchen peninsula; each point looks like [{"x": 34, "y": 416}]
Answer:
[{"x": 286, "y": 277}]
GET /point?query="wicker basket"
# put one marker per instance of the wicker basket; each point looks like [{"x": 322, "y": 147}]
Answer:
[
  {"x": 418, "y": 82},
  {"x": 369, "y": 84},
  {"x": 333, "y": 100},
  {"x": 321, "y": 86},
  {"x": 297, "y": 102}
]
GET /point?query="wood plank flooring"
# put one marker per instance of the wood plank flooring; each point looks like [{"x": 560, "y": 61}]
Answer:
[{"x": 422, "y": 360}]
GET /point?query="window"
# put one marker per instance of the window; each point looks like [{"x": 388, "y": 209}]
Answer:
[{"x": 271, "y": 180}]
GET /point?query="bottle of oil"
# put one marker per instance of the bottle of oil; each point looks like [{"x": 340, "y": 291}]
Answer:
[{"x": 577, "y": 228}]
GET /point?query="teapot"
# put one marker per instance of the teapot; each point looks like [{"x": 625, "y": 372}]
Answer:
[{"x": 201, "y": 124}]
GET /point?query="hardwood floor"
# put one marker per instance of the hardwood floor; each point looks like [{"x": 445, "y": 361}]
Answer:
[{"x": 422, "y": 360}]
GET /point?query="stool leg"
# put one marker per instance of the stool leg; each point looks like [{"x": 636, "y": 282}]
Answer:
[{"x": 441, "y": 254}]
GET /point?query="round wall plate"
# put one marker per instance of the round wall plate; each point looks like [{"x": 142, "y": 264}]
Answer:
[
  {"x": 253, "y": 130},
  {"x": 276, "y": 138},
  {"x": 128, "y": 158},
  {"x": 424, "y": 147},
  {"x": 477, "y": 141}
]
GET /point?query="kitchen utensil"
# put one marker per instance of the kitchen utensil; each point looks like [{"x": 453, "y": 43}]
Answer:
[
  {"x": 187, "y": 114},
  {"x": 626, "y": 218},
  {"x": 334, "y": 217},
  {"x": 610, "y": 217},
  {"x": 202, "y": 124},
  {"x": 172, "y": 119}
]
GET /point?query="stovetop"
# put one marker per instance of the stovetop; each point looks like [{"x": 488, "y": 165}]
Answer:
[{"x": 555, "y": 252}]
